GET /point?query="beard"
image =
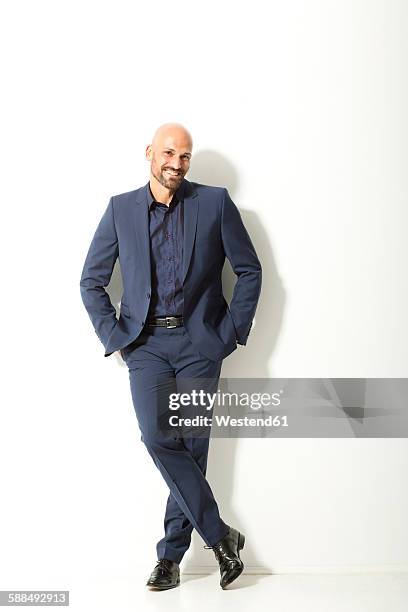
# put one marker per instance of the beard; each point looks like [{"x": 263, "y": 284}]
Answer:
[{"x": 169, "y": 182}]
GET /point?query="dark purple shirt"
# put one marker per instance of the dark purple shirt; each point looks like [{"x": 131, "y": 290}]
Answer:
[{"x": 166, "y": 255}]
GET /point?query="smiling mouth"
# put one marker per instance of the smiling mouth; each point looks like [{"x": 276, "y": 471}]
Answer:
[{"x": 172, "y": 174}]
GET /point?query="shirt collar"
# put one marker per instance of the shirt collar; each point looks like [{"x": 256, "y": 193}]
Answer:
[{"x": 178, "y": 196}]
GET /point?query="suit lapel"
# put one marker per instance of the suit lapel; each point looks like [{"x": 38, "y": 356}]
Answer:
[
  {"x": 141, "y": 221},
  {"x": 190, "y": 224}
]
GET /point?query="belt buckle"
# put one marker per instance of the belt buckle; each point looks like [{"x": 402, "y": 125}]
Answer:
[{"x": 167, "y": 322}]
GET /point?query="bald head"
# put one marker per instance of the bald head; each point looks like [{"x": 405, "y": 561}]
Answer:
[
  {"x": 174, "y": 131},
  {"x": 169, "y": 153}
]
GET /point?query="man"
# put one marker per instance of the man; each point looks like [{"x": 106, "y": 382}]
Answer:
[{"x": 171, "y": 237}]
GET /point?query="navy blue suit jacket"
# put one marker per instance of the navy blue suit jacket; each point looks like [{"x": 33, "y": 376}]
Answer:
[{"x": 213, "y": 230}]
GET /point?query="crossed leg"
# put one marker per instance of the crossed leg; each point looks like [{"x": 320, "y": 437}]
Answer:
[{"x": 154, "y": 374}]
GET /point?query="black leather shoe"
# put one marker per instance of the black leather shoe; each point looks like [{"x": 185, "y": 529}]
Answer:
[
  {"x": 227, "y": 554},
  {"x": 166, "y": 575}
]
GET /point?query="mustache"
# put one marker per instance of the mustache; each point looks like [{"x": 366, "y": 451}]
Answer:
[{"x": 172, "y": 169}]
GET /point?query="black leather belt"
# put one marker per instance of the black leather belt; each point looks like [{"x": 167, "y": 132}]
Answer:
[{"x": 166, "y": 321}]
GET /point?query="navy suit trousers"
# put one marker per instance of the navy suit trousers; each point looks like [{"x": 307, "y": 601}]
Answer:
[{"x": 162, "y": 361}]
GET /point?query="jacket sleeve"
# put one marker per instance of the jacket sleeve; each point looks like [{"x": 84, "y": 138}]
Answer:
[
  {"x": 96, "y": 274},
  {"x": 244, "y": 261}
]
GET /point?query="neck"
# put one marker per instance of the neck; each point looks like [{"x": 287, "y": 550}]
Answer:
[{"x": 160, "y": 193}]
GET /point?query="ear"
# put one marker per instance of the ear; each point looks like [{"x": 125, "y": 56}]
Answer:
[{"x": 149, "y": 152}]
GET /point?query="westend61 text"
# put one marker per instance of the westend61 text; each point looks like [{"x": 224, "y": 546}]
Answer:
[{"x": 228, "y": 421}]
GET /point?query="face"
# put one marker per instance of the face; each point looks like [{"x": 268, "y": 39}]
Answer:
[{"x": 170, "y": 158}]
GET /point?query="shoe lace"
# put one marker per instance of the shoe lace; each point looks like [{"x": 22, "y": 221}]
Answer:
[
  {"x": 162, "y": 563},
  {"x": 217, "y": 552}
]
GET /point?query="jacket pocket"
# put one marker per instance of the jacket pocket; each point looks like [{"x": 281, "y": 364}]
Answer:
[{"x": 124, "y": 310}]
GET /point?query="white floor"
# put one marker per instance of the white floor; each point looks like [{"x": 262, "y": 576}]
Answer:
[{"x": 280, "y": 593}]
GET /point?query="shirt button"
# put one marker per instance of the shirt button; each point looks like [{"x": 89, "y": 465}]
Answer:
[{"x": 147, "y": 295}]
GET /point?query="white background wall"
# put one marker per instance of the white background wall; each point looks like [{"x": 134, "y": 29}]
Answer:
[{"x": 299, "y": 109}]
